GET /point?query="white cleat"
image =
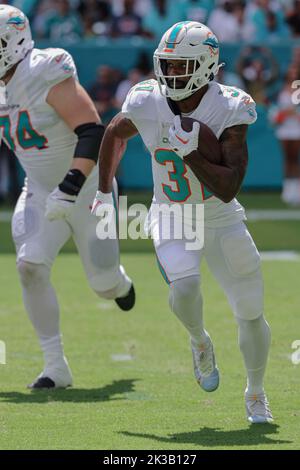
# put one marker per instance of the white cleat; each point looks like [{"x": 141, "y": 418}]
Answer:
[
  {"x": 258, "y": 409},
  {"x": 54, "y": 376},
  {"x": 205, "y": 368}
]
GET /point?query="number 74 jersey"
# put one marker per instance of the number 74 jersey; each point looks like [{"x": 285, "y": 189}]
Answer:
[
  {"x": 40, "y": 139},
  {"x": 174, "y": 181}
]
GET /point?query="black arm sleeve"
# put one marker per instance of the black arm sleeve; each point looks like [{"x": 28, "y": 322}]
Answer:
[{"x": 89, "y": 140}]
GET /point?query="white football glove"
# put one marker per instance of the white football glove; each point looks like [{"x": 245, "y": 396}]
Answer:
[
  {"x": 183, "y": 142},
  {"x": 59, "y": 205},
  {"x": 103, "y": 202}
]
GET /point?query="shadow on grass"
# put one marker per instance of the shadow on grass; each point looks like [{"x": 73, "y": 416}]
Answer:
[
  {"x": 215, "y": 437},
  {"x": 75, "y": 395}
]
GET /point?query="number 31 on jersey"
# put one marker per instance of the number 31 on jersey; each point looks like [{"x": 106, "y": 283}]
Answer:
[{"x": 179, "y": 190}]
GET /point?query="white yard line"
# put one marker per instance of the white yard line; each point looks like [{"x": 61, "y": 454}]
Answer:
[
  {"x": 257, "y": 214},
  {"x": 5, "y": 216},
  {"x": 272, "y": 214},
  {"x": 280, "y": 256},
  {"x": 121, "y": 357},
  {"x": 252, "y": 215}
]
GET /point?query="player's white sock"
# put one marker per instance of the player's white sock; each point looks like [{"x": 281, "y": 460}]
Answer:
[
  {"x": 41, "y": 304},
  {"x": 254, "y": 342},
  {"x": 185, "y": 301}
]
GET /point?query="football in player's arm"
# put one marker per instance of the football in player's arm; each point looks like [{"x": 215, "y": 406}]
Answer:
[{"x": 223, "y": 180}]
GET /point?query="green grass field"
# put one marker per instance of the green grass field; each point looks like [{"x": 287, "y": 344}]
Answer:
[{"x": 151, "y": 401}]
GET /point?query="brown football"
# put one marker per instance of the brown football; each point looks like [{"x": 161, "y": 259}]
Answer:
[{"x": 208, "y": 147}]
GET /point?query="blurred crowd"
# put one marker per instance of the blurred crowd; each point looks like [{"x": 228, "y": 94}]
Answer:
[
  {"x": 256, "y": 71},
  {"x": 232, "y": 20}
]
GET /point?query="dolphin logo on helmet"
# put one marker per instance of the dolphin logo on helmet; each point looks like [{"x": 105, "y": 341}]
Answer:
[
  {"x": 212, "y": 42},
  {"x": 18, "y": 22}
]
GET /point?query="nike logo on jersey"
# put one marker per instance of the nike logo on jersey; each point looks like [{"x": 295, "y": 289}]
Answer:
[
  {"x": 58, "y": 58},
  {"x": 181, "y": 140}
]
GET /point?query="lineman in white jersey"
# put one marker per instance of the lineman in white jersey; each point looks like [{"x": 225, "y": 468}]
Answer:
[
  {"x": 51, "y": 124},
  {"x": 186, "y": 62}
]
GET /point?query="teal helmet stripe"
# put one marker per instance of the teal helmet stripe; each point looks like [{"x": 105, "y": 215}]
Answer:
[
  {"x": 163, "y": 272},
  {"x": 174, "y": 33}
]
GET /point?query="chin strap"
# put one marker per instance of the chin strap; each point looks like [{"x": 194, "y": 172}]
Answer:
[{"x": 213, "y": 75}]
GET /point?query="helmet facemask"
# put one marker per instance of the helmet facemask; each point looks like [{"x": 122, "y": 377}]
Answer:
[{"x": 6, "y": 60}]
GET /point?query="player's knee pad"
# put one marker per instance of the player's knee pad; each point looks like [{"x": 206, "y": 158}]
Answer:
[
  {"x": 240, "y": 253},
  {"x": 247, "y": 299},
  {"x": 252, "y": 324},
  {"x": 185, "y": 290},
  {"x": 177, "y": 262},
  {"x": 32, "y": 274}
]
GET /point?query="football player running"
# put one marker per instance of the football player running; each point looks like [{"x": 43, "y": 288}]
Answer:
[
  {"x": 185, "y": 64},
  {"x": 51, "y": 124}
]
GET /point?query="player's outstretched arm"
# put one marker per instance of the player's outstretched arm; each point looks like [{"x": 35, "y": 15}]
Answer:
[
  {"x": 112, "y": 149},
  {"x": 74, "y": 106},
  {"x": 226, "y": 179}
]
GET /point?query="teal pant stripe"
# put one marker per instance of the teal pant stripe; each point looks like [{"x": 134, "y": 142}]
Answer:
[
  {"x": 163, "y": 272},
  {"x": 116, "y": 209}
]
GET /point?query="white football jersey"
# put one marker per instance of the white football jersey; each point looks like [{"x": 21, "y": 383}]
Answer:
[
  {"x": 174, "y": 182},
  {"x": 41, "y": 140}
]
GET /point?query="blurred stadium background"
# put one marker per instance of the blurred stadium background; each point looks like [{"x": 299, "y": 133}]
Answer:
[{"x": 112, "y": 43}]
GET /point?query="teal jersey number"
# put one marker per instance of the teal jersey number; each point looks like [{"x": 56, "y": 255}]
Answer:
[
  {"x": 177, "y": 177},
  {"x": 6, "y": 125},
  {"x": 146, "y": 85},
  {"x": 27, "y": 136}
]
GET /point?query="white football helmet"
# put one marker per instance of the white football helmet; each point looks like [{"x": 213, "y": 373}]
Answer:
[
  {"x": 195, "y": 43},
  {"x": 15, "y": 37}
]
